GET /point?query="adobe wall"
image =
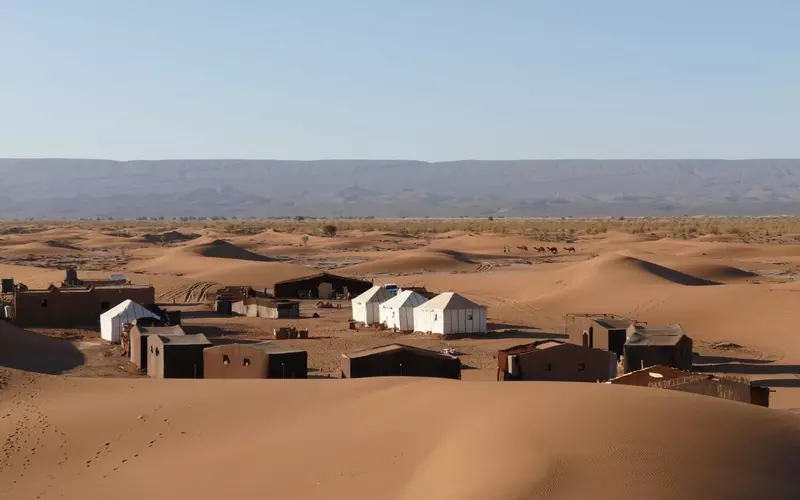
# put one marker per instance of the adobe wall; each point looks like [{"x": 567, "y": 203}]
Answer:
[
  {"x": 563, "y": 363},
  {"x": 73, "y": 308}
]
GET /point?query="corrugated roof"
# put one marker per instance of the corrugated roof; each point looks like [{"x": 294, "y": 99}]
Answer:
[
  {"x": 404, "y": 299},
  {"x": 398, "y": 347},
  {"x": 196, "y": 339},
  {"x": 161, "y": 330},
  {"x": 655, "y": 373},
  {"x": 614, "y": 324},
  {"x": 374, "y": 294},
  {"x": 533, "y": 346},
  {"x": 450, "y": 300},
  {"x": 654, "y": 335}
]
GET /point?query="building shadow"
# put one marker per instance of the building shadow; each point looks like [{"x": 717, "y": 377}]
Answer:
[
  {"x": 200, "y": 314},
  {"x": 518, "y": 334},
  {"x": 697, "y": 359},
  {"x": 30, "y": 351},
  {"x": 748, "y": 369},
  {"x": 778, "y": 382},
  {"x": 212, "y": 332}
]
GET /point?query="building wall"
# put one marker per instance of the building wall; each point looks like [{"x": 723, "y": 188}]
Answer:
[
  {"x": 174, "y": 361},
  {"x": 600, "y": 337},
  {"x": 450, "y": 321},
  {"x": 72, "y": 308},
  {"x": 214, "y": 362},
  {"x": 401, "y": 318},
  {"x": 678, "y": 356},
  {"x": 400, "y": 363},
  {"x": 563, "y": 363},
  {"x": 309, "y": 288}
]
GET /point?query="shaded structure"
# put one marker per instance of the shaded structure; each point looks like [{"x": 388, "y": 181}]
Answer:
[
  {"x": 650, "y": 345},
  {"x": 726, "y": 387},
  {"x": 262, "y": 360},
  {"x": 138, "y": 340},
  {"x": 601, "y": 331},
  {"x": 366, "y": 307},
  {"x": 320, "y": 286},
  {"x": 176, "y": 356},
  {"x": 234, "y": 293},
  {"x": 74, "y": 306},
  {"x": 552, "y": 360},
  {"x": 400, "y": 360},
  {"x": 267, "y": 308},
  {"x": 450, "y": 314}
]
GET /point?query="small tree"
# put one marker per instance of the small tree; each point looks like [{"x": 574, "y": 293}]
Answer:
[
  {"x": 305, "y": 240},
  {"x": 329, "y": 230}
]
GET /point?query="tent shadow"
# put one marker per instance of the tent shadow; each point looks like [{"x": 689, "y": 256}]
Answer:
[{"x": 25, "y": 350}]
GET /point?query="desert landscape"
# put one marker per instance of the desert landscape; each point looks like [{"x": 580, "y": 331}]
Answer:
[{"x": 81, "y": 422}]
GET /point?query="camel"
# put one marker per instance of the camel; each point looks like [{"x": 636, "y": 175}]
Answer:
[
  {"x": 553, "y": 250},
  {"x": 569, "y": 249}
]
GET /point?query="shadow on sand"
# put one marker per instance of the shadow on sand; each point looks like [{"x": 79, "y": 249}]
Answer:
[{"x": 25, "y": 350}]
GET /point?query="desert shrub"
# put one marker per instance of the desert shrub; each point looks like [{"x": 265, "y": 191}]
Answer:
[{"x": 329, "y": 230}]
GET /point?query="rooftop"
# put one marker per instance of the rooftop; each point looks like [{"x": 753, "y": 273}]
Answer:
[
  {"x": 271, "y": 348},
  {"x": 197, "y": 339},
  {"x": 533, "y": 346},
  {"x": 160, "y": 330},
  {"x": 654, "y": 335},
  {"x": 613, "y": 324},
  {"x": 398, "y": 347}
]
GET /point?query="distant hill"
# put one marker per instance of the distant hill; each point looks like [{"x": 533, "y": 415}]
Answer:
[{"x": 44, "y": 188}]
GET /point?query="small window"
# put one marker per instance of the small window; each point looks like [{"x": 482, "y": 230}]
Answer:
[
  {"x": 105, "y": 306},
  {"x": 226, "y": 360},
  {"x": 548, "y": 367},
  {"x": 246, "y": 362},
  {"x": 44, "y": 302},
  {"x": 151, "y": 349},
  {"x": 581, "y": 367},
  {"x": 157, "y": 353},
  {"x": 469, "y": 317}
]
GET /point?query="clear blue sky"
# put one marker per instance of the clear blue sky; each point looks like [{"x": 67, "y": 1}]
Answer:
[{"x": 429, "y": 80}]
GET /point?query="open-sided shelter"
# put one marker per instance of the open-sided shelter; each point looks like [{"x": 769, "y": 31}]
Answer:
[
  {"x": 450, "y": 314},
  {"x": 398, "y": 312},
  {"x": 320, "y": 286},
  {"x": 400, "y": 360},
  {"x": 551, "y": 360},
  {"x": 267, "y": 308},
  {"x": 139, "y": 334},
  {"x": 112, "y": 320},
  {"x": 650, "y": 345},
  {"x": 176, "y": 356},
  {"x": 262, "y": 360},
  {"x": 366, "y": 307}
]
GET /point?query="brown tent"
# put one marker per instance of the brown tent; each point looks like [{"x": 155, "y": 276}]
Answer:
[
  {"x": 650, "y": 345},
  {"x": 262, "y": 360},
  {"x": 400, "y": 360},
  {"x": 551, "y": 360},
  {"x": 138, "y": 340},
  {"x": 176, "y": 356}
]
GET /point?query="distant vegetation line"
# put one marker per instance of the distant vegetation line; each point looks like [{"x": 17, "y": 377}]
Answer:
[{"x": 745, "y": 229}]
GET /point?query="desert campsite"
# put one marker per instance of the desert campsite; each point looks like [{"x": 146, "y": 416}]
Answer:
[{"x": 503, "y": 313}]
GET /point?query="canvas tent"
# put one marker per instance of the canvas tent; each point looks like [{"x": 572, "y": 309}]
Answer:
[
  {"x": 366, "y": 305},
  {"x": 450, "y": 314},
  {"x": 112, "y": 320},
  {"x": 398, "y": 312}
]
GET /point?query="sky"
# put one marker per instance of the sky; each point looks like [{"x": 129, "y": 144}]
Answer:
[{"x": 426, "y": 80}]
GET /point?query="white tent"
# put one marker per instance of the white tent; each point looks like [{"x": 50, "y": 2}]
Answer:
[
  {"x": 365, "y": 306},
  {"x": 112, "y": 320},
  {"x": 448, "y": 314},
  {"x": 398, "y": 312}
]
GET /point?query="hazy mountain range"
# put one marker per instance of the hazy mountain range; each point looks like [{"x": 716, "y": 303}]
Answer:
[{"x": 72, "y": 188}]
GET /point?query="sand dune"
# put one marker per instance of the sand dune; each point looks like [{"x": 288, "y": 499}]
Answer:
[
  {"x": 221, "y": 249},
  {"x": 415, "y": 262},
  {"x": 45, "y": 248},
  {"x": 617, "y": 268},
  {"x": 205, "y": 439}
]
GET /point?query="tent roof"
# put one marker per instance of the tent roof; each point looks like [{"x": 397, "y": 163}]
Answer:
[
  {"x": 196, "y": 339},
  {"x": 654, "y": 335},
  {"x": 450, "y": 300},
  {"x": 406, "y": 298},
  {"x": 130, "y": 310},
  {"x": 374, "y": 294},
  {"x": 398, "y": 347}
]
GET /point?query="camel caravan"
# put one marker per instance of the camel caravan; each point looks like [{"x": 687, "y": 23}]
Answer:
[{"x": 552, "y": 250}]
